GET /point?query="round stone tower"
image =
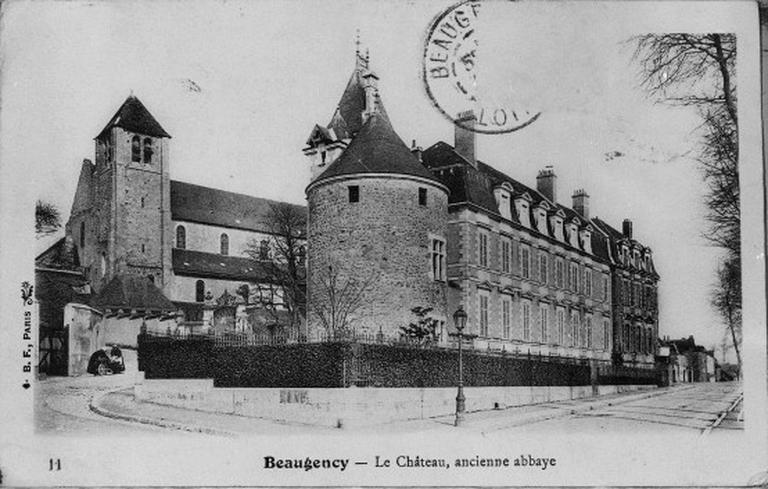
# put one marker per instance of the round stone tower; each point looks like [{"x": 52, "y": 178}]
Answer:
[{"x": 377, "y": 237}]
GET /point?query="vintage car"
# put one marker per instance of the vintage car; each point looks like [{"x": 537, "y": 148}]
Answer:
[{"x": 107, "y": 360}]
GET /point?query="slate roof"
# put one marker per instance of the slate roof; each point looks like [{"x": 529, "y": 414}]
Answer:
[
  {"x": 212, "y": 265},
  {"x": 54, "y": 290},
  {"x": 468, "y": 184},
  {"x": 377, "y": 149},
  {"x": 134, "y": 117},
  {"x": 614, "y": 238},
  {"x": 132, "y": 292},
  {"x": 61, "y": 255},
  {"x": 347, "y": 119},
  {"x": 216, "y": 207}
]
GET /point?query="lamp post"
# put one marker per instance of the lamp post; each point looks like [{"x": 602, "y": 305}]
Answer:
[{"x": 460, "y": 320}]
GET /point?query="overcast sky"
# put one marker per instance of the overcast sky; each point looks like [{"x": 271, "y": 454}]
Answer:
[{"x": 239, "y": 86}]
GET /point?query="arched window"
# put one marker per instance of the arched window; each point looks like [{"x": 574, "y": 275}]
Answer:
[
  {"x": 103, "y": 264},
  {"x": 136, "y": 149},
  {"x": 264, "y": 250},
  {"x": 82, "y": 234},
  {"x": 147, "y": 150},
  {"x": 302, "y": 254},
  {"x": 224, "y": 244},
  {"x": 181, "y": 237},
  {"x": 199, "y": 291}
]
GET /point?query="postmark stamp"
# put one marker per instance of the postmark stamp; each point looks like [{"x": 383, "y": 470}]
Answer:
[{"x": 455, "y": 78}]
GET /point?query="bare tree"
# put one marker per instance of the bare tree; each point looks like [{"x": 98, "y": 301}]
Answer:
[
  {"x": 336, "y": 299},
  {"x": 689, "y": 69},
  {"x": 280, "y": 258},
  {"x": 47, "y": 219},
  {"x": 699, "y": 70},
  {"x": 726, "y": 298}
]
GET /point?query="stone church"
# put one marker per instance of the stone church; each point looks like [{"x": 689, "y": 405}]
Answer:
[{"x": 145, "y": 249}]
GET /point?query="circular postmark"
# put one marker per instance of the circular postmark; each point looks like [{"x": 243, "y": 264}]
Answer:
[{"x": 454, "y": 76}]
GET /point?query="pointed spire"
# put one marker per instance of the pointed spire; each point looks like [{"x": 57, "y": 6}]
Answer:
[{"x": 361, "y": 62}]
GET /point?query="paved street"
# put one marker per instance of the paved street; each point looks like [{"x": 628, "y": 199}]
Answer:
[
  {"x": 62, "y": 404},
  {"x": 686, "y": 408},
  {"x": 90, "y": 404}
]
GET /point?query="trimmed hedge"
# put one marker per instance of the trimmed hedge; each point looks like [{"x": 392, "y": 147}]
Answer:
[
  {"x": 400, "y": 366},
  {"x": 342, "y": 364}
]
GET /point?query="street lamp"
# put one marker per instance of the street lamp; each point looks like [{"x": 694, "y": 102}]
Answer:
[{"x": 460, "y": 320}]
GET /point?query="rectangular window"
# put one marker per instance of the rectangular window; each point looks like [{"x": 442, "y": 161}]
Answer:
[
  {"x": 438, "y": 259},
  {"x": 606, "y": 334},
  {"x": 625, "y": 339},
  {"x": 559, "y": 273},
  {"x": 505, "y": 317},
  {"x": 588, "y": 282},
  {"x": 588, "y": 332},
  {"x": 354, "y": 193},
  {"x": 574, "y": 328},
  {"x": 422, "y": 196},
  {"x": 526, "y": 321},
  {"x": 483, "y": 247},
  {"x": 605, "y": 288},
  {"x": 525, "y": 261},
  {"x": 573, "y": 277},
  {"x": 544, "y": 322},
  {"x": 543, "y": 258},
  {"x": 506, "y": 255},
  {"x": 560, "y": 314},
  {"x": 483, "y": 315}
]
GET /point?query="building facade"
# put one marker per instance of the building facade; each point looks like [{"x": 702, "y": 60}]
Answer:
[{"x": 534, "y": 275}]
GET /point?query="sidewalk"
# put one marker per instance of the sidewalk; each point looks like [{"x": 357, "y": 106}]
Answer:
[{"x": 121, "y": 404}]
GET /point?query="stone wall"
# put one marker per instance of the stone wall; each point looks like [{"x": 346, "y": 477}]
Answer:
[
  {"x": 205, "y": 237},
  {"x": 382, "y": 241},
  {"x": 341, "y": 408}
]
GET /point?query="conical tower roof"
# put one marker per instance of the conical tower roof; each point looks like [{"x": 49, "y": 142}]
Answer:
[
  {"x": 134, "y": 117},
  {"x": 376, "y": 149},
  {"x": 347, "y": 120}
]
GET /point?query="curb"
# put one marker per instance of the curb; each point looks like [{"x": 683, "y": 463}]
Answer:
[
  {"x": 722, "y": 415},
  {"x": 93, "y": 406}
]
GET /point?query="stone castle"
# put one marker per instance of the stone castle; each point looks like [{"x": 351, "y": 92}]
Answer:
[{"x": 390, "y": 228}]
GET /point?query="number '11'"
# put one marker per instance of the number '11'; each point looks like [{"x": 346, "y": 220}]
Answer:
[{"x": 54, "y": 464}]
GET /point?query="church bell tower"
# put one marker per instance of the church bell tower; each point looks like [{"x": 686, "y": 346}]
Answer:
[{"x": 131, "y": 218}]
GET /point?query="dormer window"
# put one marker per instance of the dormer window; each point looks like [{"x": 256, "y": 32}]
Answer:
[
  {"x": 147, "y": 150},
  {"x": 136, "y": 149},
  {"x": 586, "y": 239},
  {"x": 556, "y": 221},
  {"x": 573, "y": 233},
  {"x": 522, "y": 206},
  {"x": 503, "y": 195},
  {"x": 541, "y": 219}
]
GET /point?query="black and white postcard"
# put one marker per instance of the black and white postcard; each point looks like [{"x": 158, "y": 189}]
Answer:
[{"x": 346, "y": 243}]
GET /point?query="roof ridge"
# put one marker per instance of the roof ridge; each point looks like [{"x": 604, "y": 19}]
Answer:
[{"x": 239, "y": 194}]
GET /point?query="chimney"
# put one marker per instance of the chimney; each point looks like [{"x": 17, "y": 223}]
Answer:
[
  {"x": 464, "y": 136},
  {"x": 626, "y": 228},
  {"x": 581, "y": 203},
  {"x": 546, "y": 183},
  {"x": 416, "y": 150},
  {"x": 370, "y": 87}
]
